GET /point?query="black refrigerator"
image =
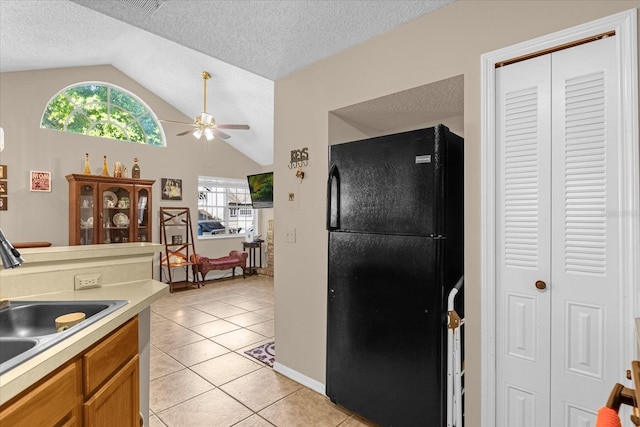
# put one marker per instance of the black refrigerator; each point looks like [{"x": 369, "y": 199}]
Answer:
[{"x": 395, "y": 223}]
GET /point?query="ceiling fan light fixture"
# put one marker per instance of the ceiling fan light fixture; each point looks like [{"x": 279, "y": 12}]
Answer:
[
  {"x": 204, "y": 122},
  {"x": 206, "y": 118}
]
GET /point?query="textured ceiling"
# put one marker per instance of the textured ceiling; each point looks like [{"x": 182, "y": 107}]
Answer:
[
  {"x": 268, "y": 38},
  {"x": 165, "y": 45}
]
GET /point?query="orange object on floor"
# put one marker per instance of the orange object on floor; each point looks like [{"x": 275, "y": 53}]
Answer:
[{"x": 608, "y": 417}]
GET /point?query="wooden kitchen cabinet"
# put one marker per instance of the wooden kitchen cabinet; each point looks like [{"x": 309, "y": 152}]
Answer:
[
  {"x": 99, "y": 387},
  {"x": 55, "y": 401},
  {"x": 103, "y": 209},
  {"x": 117, "y": 403},
  {"x": 111, "y": 380}
]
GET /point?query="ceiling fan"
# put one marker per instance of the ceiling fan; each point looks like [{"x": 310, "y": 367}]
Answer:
[{"x": 204, "y": 123}]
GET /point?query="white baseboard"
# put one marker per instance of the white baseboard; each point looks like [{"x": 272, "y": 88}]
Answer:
[{"x": 300, "y": 378}]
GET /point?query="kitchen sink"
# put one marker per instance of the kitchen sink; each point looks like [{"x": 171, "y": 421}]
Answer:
[
  {"x": 28, "y": 327},
  {"x": 12, "y": 347},
  {"x": 31, "y": 319}
]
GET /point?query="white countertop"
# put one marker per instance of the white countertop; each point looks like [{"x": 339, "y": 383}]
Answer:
[{"x": 140, "y": 294}]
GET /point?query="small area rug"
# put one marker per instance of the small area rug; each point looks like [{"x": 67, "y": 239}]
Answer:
[{"x": 265, "y": 353}]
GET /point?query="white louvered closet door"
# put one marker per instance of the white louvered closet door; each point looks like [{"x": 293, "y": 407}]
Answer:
[
  {"x": 556, "y": 185},
  {"x": 523, "y": 216},
  {"x": 585, "y": 286}
]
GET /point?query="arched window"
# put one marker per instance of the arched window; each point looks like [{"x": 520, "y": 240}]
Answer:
[{"x": 103, "y": 110}]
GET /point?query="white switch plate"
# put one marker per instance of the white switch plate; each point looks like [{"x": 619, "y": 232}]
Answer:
[
  {"x": 291, "y": 235},
  {"x": 88, "y": 281}
]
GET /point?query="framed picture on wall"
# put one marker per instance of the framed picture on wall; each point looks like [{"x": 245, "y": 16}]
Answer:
[
  {"x": 3, "y": 171},
  {"x": 3, "y": 188},
  {"x": 40, "y": 181},
  {"x": 171, "y": 189},
  {"x": 3, "y": 203}
]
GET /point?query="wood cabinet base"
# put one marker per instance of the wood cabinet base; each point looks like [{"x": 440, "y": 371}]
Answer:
[{"x": 98, "y": 388}]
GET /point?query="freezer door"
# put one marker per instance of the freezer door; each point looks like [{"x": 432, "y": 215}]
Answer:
[
  {"x": 385, "y": 333},
  {"x": 389, "y": 184}
]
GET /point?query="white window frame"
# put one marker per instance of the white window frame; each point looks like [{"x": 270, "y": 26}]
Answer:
[
  {"x": 110, "y": 106},
  {"x": 229, "y": 185}
]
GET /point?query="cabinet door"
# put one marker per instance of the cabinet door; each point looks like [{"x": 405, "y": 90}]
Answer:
[
  {"x": 54, "y": 402},
  {"x": 117, "y": 403},
  {"x": 117, "y": 213},
  {"x": 142, "y": 214},
  {"x": 83, "y": 210}
]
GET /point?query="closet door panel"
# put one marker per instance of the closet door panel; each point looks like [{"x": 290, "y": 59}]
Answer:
[
  {"x": 585, "y": 336},
  {"x": 523, "y": 181}
]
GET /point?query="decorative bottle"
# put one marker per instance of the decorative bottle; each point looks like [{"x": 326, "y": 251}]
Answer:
[
  {"x": 87, "y": 168},
  {"x": 135, "y": 169},
  {"x": 105, "y": 168}
]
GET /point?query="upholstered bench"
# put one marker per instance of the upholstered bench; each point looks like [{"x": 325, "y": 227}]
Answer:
[{"x": 204, "y": 265}]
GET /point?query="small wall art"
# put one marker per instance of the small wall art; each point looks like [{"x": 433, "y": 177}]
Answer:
[
  {"x": 40, "y": 181},
  {"x": 3, "y": 188},
  {"x": 171, "y": 189},
  {"x": 3, "y": 171},
  {"x": 3, "y": 203}
]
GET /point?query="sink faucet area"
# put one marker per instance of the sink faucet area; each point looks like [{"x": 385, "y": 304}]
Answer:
[
  {"x": 11, "y": 258},
  {"x": 29, "y": 327}
]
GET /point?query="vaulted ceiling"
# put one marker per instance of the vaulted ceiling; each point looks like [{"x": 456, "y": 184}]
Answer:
[{"x": 165, "y": 45}]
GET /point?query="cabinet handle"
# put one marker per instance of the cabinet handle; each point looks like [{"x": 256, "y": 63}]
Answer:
[{"x": 541, "y": 285}]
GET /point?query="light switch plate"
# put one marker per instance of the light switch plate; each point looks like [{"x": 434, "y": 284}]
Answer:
[{"x": 291, "y": 235}]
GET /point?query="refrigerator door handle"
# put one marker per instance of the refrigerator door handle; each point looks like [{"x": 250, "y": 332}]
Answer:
[{"x": 333, "y": 199}]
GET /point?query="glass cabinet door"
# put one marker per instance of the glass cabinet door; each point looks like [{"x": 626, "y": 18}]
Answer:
[
  {"x": 143, "y": 214},
  {"x": 87, "y": 209},
  {"x": 116, "y": 213}
]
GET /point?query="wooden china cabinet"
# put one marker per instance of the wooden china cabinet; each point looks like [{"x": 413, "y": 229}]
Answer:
[{"x": 104, "y": 209}]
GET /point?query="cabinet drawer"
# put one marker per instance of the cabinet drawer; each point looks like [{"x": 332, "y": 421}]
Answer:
[
  {"x": 53, "y": 402},
  {"x": 117, "y": 403},
  {"x": 103, "y": 360}
]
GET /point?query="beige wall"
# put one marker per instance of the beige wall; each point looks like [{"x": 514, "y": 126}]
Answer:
[
  {"x": 446, "y": 43},
  {"x": 44, "y": 216}
]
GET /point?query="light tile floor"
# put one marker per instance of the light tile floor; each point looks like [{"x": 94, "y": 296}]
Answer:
[{"x": 200, "y": 375}]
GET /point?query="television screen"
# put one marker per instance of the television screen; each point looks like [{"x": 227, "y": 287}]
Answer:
[{"x": 261, "y": 190}]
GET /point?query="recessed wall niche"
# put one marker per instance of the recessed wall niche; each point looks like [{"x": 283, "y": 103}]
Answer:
[{"x": 419, "y": 107}]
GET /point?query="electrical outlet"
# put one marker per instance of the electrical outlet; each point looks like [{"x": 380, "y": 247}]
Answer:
[{"x": 88, "y": 281}]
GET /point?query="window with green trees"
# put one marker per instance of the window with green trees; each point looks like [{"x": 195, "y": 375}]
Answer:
[{"x": 100, "y": 109}]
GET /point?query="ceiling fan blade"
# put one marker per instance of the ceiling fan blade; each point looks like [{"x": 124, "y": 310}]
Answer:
[
  {"x": 221, "y": 134},
  {"x": 186, "y": 132},
  {"x": 180, "y": 123},
  {"x": 243, "y": 127}
]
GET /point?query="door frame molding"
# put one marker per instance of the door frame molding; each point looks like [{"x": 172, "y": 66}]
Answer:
[{"x": 625, "y": 26}]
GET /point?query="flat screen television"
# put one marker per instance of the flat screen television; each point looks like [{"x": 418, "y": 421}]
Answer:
[{"x": 261, "y": 190}]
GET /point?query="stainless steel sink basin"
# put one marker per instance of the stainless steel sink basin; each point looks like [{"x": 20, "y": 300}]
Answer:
[
  {"x": 28, "y": 327},
  {"x": 32, "y": 319},
  {"x": 12, "y": 347}
]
